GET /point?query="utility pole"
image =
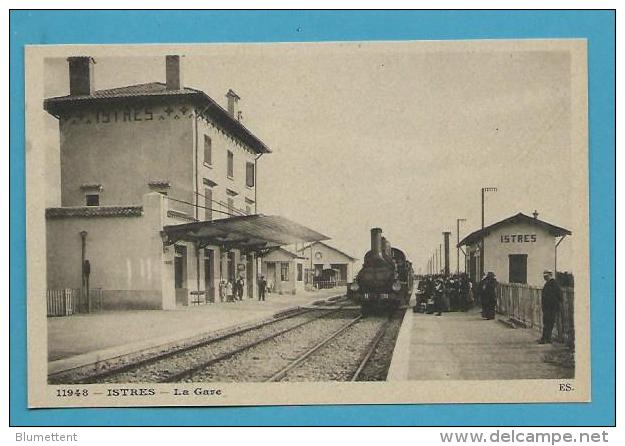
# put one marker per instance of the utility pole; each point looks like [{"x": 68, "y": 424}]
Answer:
[
  {"x": 446, "y": 235},
  {"x": 458, "y": 220},
  {"x": 440, "y": 257},
  {"x": 484, "y": 189}
]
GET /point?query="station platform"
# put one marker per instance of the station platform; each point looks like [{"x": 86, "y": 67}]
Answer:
[
  {"x": 463, "y": 346},
  {"x": 82, "y": 339}
]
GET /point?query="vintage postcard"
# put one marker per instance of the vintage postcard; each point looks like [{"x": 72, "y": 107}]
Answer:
[{"x": 307, "y": 223}]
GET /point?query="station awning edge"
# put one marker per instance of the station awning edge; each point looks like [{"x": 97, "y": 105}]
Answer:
[{"x": 248, "y": 232}]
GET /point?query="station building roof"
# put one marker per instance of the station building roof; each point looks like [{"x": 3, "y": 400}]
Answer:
[
  {"x": 247, "y": 232},
  {"x": 343, "y": 253},
  {"x": 153, "y": 91},
  {"x": 476, "y": 236},
  {"x": 286, "y": 252}
]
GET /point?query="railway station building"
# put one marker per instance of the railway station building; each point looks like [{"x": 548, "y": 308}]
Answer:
[
  {"x": 284, "y": 271},
  {"x": 158, "y": 194},
  {"x": 326, "y": 265},
  {"x": 517, "y": 249}
]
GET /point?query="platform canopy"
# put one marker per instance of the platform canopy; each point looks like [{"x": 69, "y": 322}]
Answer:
[{"x": 248, "y": 232}]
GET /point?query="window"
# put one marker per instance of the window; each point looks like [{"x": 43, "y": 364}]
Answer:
[
  {"x": 208, "y": 150},
  {"x": 249, "y": 174},
  {"x": 300, "y": 272},
  {"x": 230, "y": 206},
  {"x": 93, "y": 199},
  {"x": 208, "y": 203},
  {"x": 230, "y": 164},
  {"x": 284, "y": 271},
  {"x": 249, "y": 205}
]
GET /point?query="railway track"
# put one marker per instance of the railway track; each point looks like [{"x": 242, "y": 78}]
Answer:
[
  {"x": 156, "y": 366},
  {"x": 190, "y": 372},
  {"x": 329, "y": 344},
  {"x": 342, "y": 356}
]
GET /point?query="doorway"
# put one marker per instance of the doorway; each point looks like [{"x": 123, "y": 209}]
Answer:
[
  {"x": 517, "y": 268},
  {"x": 209, "y": 274},
  {"x": 473, "y": 267},
  {"x": 180, "y": 274},
  {"x": 231, "y": 265},
  {"x": 250, "y": 276},
  {"x": 271, "y": 276}
]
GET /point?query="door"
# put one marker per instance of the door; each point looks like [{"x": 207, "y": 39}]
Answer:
[
  {"x": 180, "y": 275},
  {"x": 250, "y": 276},
  {"x": 271, "y": 275},
  {"x": 517, "y": 268},
  {"x": 209, "y": 276},
  {"x": 473, "y": 268},
  {"x": 231, "y": 272},
  {"x": 341, "y": 269}
]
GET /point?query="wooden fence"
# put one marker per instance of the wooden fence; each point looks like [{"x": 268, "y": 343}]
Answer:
[
  {"x": 69, "y": 301},
  {"x": 522, "y": 304}
]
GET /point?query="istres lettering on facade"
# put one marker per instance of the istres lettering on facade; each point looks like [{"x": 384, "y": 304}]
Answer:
[
  {"x": 517, "y": 238},
  {"x": 109, "y": 115}
]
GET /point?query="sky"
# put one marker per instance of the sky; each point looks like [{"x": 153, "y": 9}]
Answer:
[{"x": 401, "y": 137}]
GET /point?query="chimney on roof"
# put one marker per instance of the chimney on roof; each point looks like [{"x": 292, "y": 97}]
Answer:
[
  {"x": 233, "y": 105},
  {"x": 173, "y": 74},
  {"x": 80, "y": 75},
  {"x": 535, "y": 214}
]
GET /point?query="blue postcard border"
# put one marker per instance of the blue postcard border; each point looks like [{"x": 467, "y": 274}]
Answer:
[{"x": 97, "y": 27}]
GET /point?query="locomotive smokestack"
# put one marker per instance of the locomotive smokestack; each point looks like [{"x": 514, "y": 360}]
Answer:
[{"x": 376, "y": 242}]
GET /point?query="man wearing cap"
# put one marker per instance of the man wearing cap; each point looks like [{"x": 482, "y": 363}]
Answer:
[{"x": 551, "y": 297}]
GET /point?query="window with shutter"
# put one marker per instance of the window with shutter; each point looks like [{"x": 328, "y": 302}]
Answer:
[
  {"x": 249, "y": 174},
  {"x": 208, "y": 203},
  {"x": 208, "y": 150},
  {"x": 230, "y": 164}
]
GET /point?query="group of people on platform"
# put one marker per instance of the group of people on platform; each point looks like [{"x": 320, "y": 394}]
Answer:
[
  {"x": 233, "y": 290},
  {"x": 457, "y": 292}
]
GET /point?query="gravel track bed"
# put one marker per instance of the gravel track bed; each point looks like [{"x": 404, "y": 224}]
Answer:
[
  {"x": 262, "y": 361},
  {"x": 380, "y": 361},
  {"x": 339, "y": 359},
  {"x": 161, "y": 369}
]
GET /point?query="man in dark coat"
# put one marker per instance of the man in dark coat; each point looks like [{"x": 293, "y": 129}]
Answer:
[
  {"x": 481, "y": 286},
  {"x": 551, "y": 298},
  {"x": 439, "y": 296},
  {"x": 489, "y": 295},
  {"x": 239, "y": 285},
  {"x": 262, "y": 287}
]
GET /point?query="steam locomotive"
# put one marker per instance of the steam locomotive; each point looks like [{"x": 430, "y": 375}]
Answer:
[{"x": 385, "y": 281}]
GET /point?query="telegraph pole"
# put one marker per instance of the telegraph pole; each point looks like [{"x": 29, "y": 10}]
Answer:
[
  {"x": 446, "y": 235},
  {"x": 440, "y": 257},
  {"x": 484, "y": 189},
  {"x": 458, "y": 220}
]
